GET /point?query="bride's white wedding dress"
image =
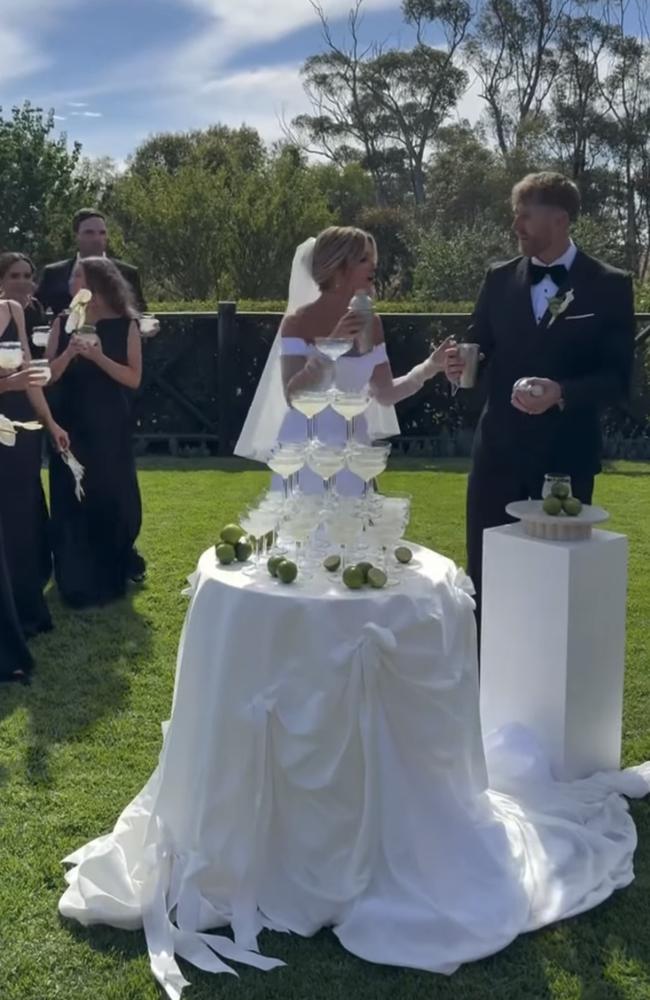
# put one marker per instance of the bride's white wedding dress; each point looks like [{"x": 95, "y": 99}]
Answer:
[{"x": 324, "y": 766}]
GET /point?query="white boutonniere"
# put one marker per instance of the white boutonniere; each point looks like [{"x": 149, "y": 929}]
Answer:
[
  {"x": 77, "y": 316},
  {"x": 559, "y": 304},
  {"x": 9, "y": 427}
]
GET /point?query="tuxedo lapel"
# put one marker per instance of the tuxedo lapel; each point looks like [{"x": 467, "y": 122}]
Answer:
[{"x": 524, "y": 315}]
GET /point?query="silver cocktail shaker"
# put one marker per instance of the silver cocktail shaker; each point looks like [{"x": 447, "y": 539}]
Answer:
[{"x": 362, "y": 303}]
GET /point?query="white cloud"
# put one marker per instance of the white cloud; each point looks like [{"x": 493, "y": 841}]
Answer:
[
  {"x": 259, "y": 98},
  {"x": 77, "y": 104},
  {"x": 22, "y": 48},
  {"x": 18, "y": 58},
  {"x": 86, "y": 114}
]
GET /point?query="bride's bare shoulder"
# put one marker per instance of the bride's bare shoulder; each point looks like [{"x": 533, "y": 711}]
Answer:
[{"x": 298, "y": 323}]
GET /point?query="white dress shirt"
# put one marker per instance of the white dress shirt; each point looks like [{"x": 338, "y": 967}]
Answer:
[{"x": 546, "y": 288}]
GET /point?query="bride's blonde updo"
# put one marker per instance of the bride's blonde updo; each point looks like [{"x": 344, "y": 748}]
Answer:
[{"x": 336, "y": 248}]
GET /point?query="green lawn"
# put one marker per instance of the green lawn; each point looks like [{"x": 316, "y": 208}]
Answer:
[{"x": 77, "y": 745}]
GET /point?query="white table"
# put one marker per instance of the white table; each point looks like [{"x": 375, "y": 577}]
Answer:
[
  {"x": 553, "y": 644},
  {"x": 323, "y": 767}
]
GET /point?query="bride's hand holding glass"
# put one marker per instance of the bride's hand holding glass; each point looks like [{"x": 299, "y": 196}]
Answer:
[{"x": 439, "y": 360}]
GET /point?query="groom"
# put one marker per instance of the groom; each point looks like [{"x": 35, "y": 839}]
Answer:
[{"x": 563, "y": 320}]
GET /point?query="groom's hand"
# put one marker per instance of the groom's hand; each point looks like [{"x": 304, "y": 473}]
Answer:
[{"x": 540, "y": 395}]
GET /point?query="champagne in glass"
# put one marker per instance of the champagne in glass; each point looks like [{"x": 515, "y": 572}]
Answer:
[
  {"x": 310, "y": 403},
  {"x": 285, "y": 460},
  {"x": 367, "y": 462},
  {"x": 350, "y": 405},
  {"x": 326, "y": 461}
]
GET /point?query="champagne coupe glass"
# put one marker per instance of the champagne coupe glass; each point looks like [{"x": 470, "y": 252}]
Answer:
[
  {"x": 259, "y": 520},
  {"x": 388, "y": 527},
  {"x": 350, "y": 405},
  {"x": 285, "y": 459},
  {"x": 310, "y": 402},
  {"x": 11, "y": 355},
  {"x": 326, "y": 461},
  {"x": 300, "y": 525},
  {"x": 253, "y": 526},
  {"x": 343, "y": 527},
  {"x": 367, "y": 461},
  {"x": 274, "y": 506},
  {"x": 333, "y": 347}
]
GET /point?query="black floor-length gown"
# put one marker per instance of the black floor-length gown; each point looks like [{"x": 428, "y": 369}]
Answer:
[
  {"x": 14, "y": 654},
  {"x": 93, "y": 538},
  {"x": 23, "y": 512}
]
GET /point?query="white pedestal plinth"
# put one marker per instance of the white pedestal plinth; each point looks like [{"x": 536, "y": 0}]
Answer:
[{"x": 553, "y": 644}]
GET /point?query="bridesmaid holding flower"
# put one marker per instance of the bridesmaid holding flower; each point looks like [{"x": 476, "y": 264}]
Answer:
[{"x": 96, "y": 357}]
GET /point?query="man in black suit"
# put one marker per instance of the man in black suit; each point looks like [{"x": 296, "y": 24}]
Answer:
[
  {"x": 89, "y": 227},
  {"x": 564, "y": 321}
]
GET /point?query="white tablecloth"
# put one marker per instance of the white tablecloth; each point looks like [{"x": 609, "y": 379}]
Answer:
[{"x": 323, "y": 766}]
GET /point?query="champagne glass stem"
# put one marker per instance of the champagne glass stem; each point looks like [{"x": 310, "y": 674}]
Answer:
[
  {"x": 353, "y": 428},
  {"x": 310, "y": 428},
  {"x": 285, "y": 487},
  {"x": 348, "y": 431}
]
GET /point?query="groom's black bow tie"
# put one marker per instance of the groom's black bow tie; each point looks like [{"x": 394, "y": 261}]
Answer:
[{"x": 557, "y": 273}]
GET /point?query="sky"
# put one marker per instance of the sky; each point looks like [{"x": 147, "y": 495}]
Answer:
[{"x": 117, "y": 71}]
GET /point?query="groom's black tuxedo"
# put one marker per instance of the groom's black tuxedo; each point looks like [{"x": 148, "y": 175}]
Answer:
[
  {"x": 588, "y": 349},
  {"x": 53, "y": 290}
]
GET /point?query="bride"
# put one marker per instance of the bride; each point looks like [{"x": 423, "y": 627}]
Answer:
[{"x": 325, "y": 275}]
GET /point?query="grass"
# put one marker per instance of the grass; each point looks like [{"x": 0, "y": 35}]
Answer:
[{"x": 78, "y": 744}]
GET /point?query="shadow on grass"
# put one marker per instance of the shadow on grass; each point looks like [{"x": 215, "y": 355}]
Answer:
[
  {"x": 82, "y": 673},
  {"x": 320, "y": 968}
]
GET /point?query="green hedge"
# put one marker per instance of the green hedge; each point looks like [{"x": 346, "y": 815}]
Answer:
[
  {"x": 245, "y": 305},
  {"x": 413, "y": 307}
]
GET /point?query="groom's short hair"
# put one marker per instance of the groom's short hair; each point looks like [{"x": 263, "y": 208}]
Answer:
[{"x": 548, "y": 188}]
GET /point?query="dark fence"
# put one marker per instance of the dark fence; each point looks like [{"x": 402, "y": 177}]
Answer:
[{"x": 201, "y": 371}]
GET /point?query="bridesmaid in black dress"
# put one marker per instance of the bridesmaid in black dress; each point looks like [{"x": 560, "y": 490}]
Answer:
[
  {"x": 15, "y": 659},
  {"x": 17, "y": 274},
  {"x": 93, "y": 539},
  {"x": 23, "y": 512}
]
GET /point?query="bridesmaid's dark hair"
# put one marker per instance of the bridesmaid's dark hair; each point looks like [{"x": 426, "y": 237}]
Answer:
[
  {"x": 11, "y": 257},
  {"x": 105, "y": 279}
]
